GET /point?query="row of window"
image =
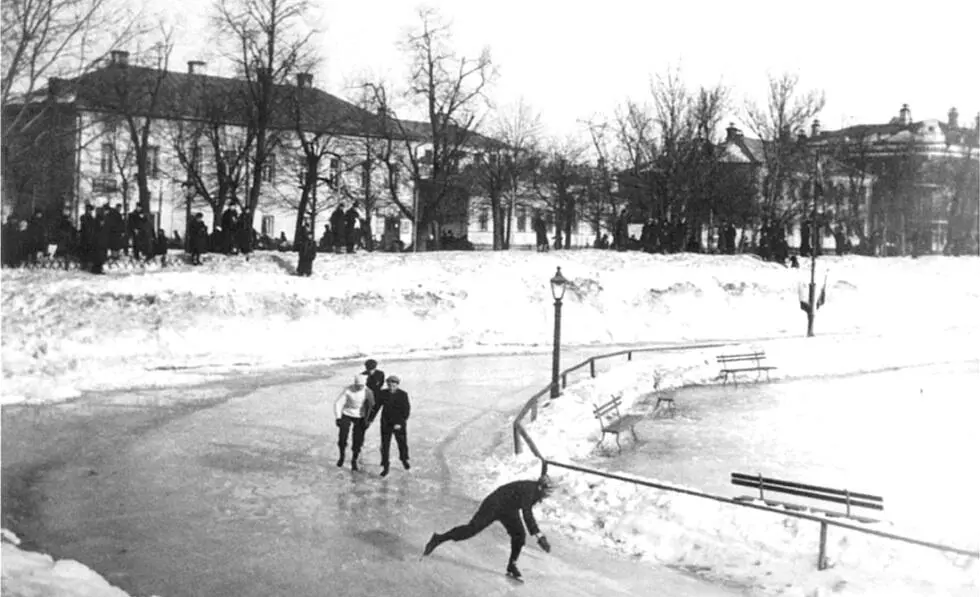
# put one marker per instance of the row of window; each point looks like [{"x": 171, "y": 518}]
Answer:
[{"x": 107, "y": 163}]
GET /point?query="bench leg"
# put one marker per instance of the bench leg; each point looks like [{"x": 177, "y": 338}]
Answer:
[{"x": 633, "y": 431}]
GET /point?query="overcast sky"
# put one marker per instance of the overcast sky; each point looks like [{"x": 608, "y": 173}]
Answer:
[{"x": 572, "y": 60}]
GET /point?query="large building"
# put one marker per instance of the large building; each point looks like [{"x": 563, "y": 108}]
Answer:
[
  {"x": 925, "y": 197},
  {"x": 74, "y": 145}
]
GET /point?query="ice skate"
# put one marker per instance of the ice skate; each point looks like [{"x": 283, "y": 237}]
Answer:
[{"x": 514, "y": 573}]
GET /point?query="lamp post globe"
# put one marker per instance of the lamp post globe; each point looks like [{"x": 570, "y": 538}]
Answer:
[{"x": 558, "y": 283}]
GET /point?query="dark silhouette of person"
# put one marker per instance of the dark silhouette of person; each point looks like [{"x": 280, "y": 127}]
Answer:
[
  {"x": 337, "y": 225},
  {"x": 395, "y": 409},
  {"x": 351, "y": 220},
  {"x": 506, "y": 504}
]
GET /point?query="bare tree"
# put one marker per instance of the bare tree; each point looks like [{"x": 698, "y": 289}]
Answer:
[
  {"x": 559, "y": 182},
  {"x": 56, "y": 38},
  {"x": 786, "y": 111},
  {"x": 269, "y": 41},
  {"x": 518, "y": 128},
  {"x": 137, "y": 99},
  {"x": 450, "y": 89}
]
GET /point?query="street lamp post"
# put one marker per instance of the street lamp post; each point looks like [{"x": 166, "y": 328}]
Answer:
[
  {"x": 815, "y": 243},
  {"x": 558, "y": 283}
]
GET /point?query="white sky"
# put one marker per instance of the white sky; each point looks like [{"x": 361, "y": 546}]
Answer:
[{"x": 573, "y": 60}]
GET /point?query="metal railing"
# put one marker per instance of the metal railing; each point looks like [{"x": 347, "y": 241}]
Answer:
[{"x": 531, "y": 407}]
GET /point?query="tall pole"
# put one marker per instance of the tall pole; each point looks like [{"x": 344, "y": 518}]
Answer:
[
  {"x": 814, "y": 243},
  {"x": 555, "y": 390}
]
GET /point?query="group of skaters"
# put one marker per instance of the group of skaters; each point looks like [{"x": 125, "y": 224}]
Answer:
[
  {"x": 103, "y": 235},
  {"x": 367, "y": 398}
]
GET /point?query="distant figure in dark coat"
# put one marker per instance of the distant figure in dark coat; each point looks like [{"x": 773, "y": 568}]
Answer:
[
  {"x": 245, "y": 233},
  {"x": 11, "y": 242},
  {"x": 135, "y": 222},
  {"x": 306, "y": 247},
  {"x": 395, "y": 409},
  {"x": 337, "y": 225},
  {"x": 36, "y": 237},
  {"x": 352, "y": 220},
  {"x": 199, "y": 238},
  {"x": 115, "y": 231},
  {"x": 160, "y": 247},
  {"x": 326, "y": 241},
  {"x": 506, "y": 504},
  {"x": 540, "y": 232}
]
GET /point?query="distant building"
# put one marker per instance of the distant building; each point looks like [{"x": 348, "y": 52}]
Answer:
[{"x": 925, "y": 197}]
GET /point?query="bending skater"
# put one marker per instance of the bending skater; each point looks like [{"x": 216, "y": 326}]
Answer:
[{"x": 505, "y": 504}]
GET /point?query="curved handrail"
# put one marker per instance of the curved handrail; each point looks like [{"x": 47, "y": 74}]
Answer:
[{"x": 531, "y": 406}]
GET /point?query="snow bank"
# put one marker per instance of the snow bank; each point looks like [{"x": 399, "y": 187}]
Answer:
[
  {"x": 31, "y": 574},
  {"x": 66, "y": 332},
  {"x": 766, "y": 553}
]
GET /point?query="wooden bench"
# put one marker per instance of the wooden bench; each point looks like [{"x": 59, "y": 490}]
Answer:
[
  {"x": 668, "y": 402},
  {"x": 733, "y": 364},
  {"x": 611, "y": 421},
  {"x": 850, "y": 499}
]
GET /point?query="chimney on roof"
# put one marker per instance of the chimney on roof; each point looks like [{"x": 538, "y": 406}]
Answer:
[
  {"x": 195, "y": 67},
  {"x": 732, "y": 132},
  {"x": 954, "y": 118},
  {"x": 55, "y": 86},
  {"x": 304, "y": 80},
  {"x": 119, "y": 57},
  {"x": 905, "y": 115},
  {"x": 815, "y": 128}
]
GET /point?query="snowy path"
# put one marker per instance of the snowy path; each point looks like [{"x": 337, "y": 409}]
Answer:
[{"x": 230, "y": 488}]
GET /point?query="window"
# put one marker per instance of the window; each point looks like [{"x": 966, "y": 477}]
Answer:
[
  {"x": 153, "y": 161},
  {"x": 393, "y": 175},
  {"x": 269, "y": 168},
  {"x": 484, "y": 219},
  {"x": 427, "y": 158},
  {"x": 229, "y": 156},
  {"x": 366, "y": 176},
  {"x": 493, "y": 160},
  {"x": 522, "y": 219},
  {"x": 106, "y": 164},
  {"x": 269, "y": 226},
  {"x": 334, "y": 173}
]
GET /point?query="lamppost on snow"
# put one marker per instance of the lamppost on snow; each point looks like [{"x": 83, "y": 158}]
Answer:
[{"x": 558, "y": 283}]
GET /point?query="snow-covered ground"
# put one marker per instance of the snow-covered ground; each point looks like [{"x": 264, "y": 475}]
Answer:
[{"x": 64, "y": 333}]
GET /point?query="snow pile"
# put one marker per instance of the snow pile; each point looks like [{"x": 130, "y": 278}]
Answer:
[
  {"x": 31, "y": 574},
  {"x": 65, "y": 332}
]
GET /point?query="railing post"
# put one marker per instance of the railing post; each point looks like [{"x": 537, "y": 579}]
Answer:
[
  {"x": 564, "y": 381},
  {"x": 629, "y": 356},
  {"x": 534, "y": 410},
  {"x": 822, "y": 557},
  {"x": 761, "y": 496},
  {"x": 592, "y": 367},
  {"x": 517, "y": 441},
  {"x": 847, "y": 497}
]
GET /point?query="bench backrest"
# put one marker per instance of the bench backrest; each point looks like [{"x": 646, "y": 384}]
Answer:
[
  {"x": 751, "y": 356},
  {"x": 827, "y": 494},
  {"x": 607, "y": 410}
]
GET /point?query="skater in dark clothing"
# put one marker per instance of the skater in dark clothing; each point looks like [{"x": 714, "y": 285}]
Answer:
[
  {"x": 160, "y": 247},
  {"x": 375, "y": 377},
  {"x": 353, "y": 407},
  {"x": 395, "y": 410},
  {"x": 352, "y": 229},
  {"x": 506, "y": 504}
]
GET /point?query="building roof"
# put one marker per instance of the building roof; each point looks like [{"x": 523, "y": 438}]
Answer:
[
  {"x": 195, "y": 96},
  {"x": 924, "y": 132}
]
